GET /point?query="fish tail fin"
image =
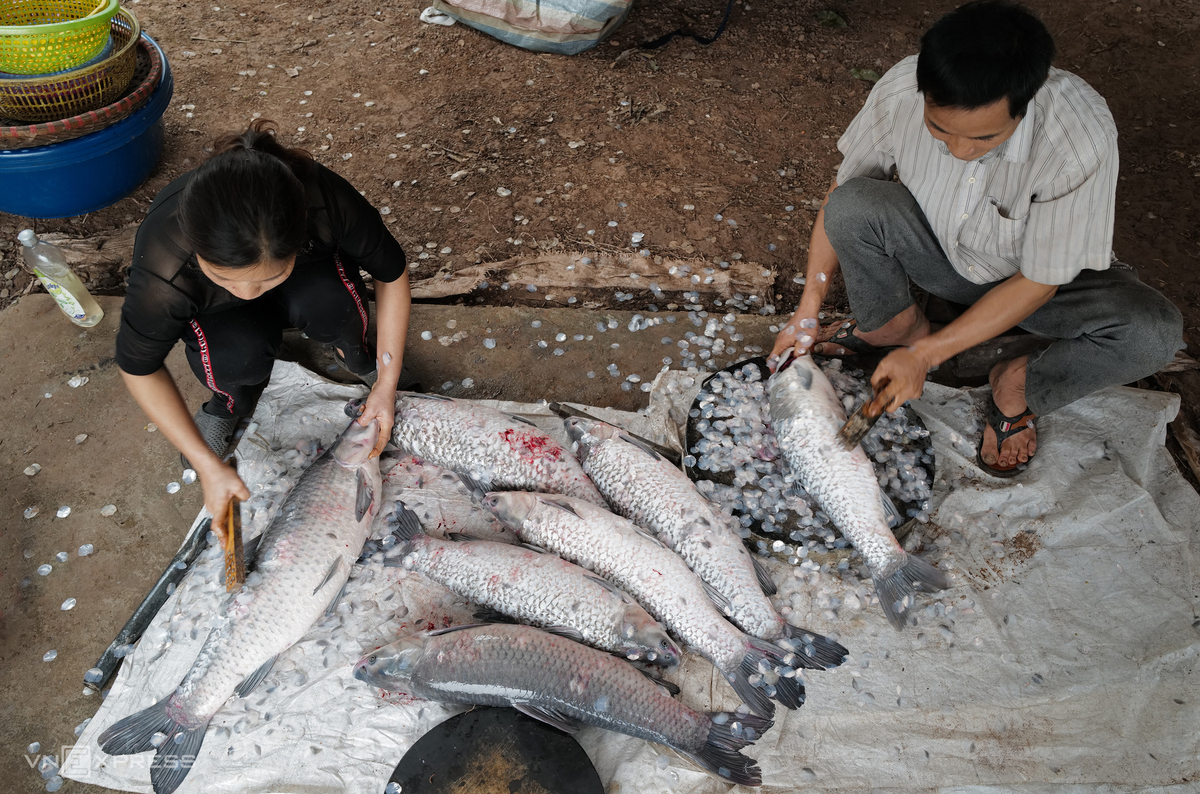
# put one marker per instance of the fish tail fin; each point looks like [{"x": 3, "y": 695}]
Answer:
[
  {"x": 811, "y": 650},
  {"x": 788, "y": 688},
  {"x": 747, "y": 682},
  {"x": 721, "y": 754},
  {"x": 897, "y": 591},
  {"x": 177, "y": 747}
]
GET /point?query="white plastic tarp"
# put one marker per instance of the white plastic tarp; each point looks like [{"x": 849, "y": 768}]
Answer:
[{"x": 1063, "y": 657}]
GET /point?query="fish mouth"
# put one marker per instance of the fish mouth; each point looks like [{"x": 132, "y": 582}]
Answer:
[{"x": 364, "y": 673}]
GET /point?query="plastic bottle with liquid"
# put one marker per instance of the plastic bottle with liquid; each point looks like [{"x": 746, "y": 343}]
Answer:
[{"x": 49, "y": 264}]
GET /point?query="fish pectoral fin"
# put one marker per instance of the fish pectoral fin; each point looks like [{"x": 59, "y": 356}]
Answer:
[
  {"x": 333, "y": 602},
  {"x": 549, "y": 716},
  {"x": 333, "y": 569},
  {"x": 559, "y": 503},
  {"x": 894, "y": 519},
  {"x": 721, "y": 602},
  {"x": 764, "y": 576},
  {"x": 365, "y": 496},
  {"x": 570, "y": 632},
  {"x": 254, "y": 679},
  {"x": 654, "y": 673},
  {"x": 642, "y": 445},
  {"x": 478, "y": 486},
  {"x": 489, "y": 615},
  {"x": 520, "y": 419},
  {"x": 607, "y": 585},
  {"x": 451, "y": 629},
  {"x": 535, "y": 547},
  {"x": 651, "y": 536}
]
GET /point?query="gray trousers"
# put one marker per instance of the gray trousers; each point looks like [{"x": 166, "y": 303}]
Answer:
[{"x": 1109, "y": 326}]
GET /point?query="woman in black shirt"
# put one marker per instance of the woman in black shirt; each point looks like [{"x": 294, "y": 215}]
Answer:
[{"x": 258, "y": 239}]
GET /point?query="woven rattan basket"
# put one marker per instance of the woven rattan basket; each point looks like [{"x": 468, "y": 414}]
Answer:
[
  {"x": 60, "y": 96},
  {"x": 145, "y": 82},
  {"x": 40, "y": 37}
]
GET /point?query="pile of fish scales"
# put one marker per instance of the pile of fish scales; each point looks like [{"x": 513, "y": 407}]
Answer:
[{"x": 732, "y": 419}]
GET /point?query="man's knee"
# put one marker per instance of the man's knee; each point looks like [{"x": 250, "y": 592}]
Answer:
[
  {"x": 1155, "y": 328},
  {"x": 856, "y": 205}
]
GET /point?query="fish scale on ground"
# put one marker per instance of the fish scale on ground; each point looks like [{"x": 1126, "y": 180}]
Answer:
[
  {"x": 496, "y": 450},
  {"x": 564, "y": 684},
  {"x": 542, "y": 589},
  {"x": 806, "y": 415},
  {"x": 304, "y": 559},
  {"x": 661, "y": 581},
  {"x": 650, "y": 491}
]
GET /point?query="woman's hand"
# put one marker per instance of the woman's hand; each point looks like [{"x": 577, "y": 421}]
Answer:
[
  {"x": 221, "y": 483},
  {"x": 381, "y": 406}
]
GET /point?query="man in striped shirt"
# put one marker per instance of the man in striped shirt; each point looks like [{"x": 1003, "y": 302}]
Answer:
[{"x": 1007, "y": 175}]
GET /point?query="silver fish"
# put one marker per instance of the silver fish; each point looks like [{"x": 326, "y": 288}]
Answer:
[
  {"x": 303, "y": 561},
  {"x": 495, "y": 450},
  {"x": 647, "y": 489},
  {"x": 438, "y": 496},
  {"x": 542, "y": 589},
  {"x": 564, "y": 684},
  {"x": 806, "y": 415},
  {"x": 660, "y": 580}
]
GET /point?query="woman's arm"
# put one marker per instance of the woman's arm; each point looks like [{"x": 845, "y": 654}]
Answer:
[
  {"x": 393, "y": 300},
  {"x": 160, "y": 399}
]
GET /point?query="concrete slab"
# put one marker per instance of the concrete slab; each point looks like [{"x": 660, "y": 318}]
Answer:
[{"x": 122, "y": 463}]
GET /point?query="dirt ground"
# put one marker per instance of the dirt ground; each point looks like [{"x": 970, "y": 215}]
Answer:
[{"x": 657, "y": 141}]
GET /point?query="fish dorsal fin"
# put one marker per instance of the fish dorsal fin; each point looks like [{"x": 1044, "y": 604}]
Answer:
[
  {"x": 722, "y": 603},
  {"x": 642, "y": 445},
  {"x": 408, "y": 526},
  {"x": 764, "y": 576},
  {"x": 560, "y": 504},
  {"x": 365, "y": 497},
  {"x": 550, "y": 716},
  {"x": 520, "y": 419},
  {"x": 570, "y": 632}
]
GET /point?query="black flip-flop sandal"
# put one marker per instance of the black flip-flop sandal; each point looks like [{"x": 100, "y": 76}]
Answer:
[
  {"x": 1005, "y": 427},
  {"x": 845, "y": 339}
]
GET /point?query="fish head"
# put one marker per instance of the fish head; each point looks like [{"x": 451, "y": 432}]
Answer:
[
  {"x": 647, "y": 637},
  {"x": 356, "y": 443},
  {"x": 580, "y": 427},
  {"x": 391, "y": 666},
  {"x": 511, "y": 507}
]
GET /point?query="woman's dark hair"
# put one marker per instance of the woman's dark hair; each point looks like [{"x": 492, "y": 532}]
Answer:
[
  {"x": 982, "y": 52},
  {"x": 246, "y": 203}
]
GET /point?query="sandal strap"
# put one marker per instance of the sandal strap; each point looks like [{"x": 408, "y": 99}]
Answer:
[
  {"x": 1008, "y": 426},
  {"x": 844, "y": 337}
]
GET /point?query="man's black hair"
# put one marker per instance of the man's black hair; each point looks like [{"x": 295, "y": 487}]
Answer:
[{"x": 983, "y": 52}]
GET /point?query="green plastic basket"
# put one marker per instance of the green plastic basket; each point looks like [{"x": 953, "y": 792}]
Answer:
[{"x": 45, "y": 36}]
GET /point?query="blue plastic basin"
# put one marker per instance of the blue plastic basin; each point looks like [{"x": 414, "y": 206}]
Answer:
[{"x": 86, "y": 174}]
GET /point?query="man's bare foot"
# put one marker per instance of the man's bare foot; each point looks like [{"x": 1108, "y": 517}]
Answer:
[
  {"x": 1008, "y": 392},
  {"x": 904, "y": 329}
]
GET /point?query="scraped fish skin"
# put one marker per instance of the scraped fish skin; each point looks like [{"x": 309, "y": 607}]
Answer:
[
  {"x": 657, "y": 577},
  {"x": 442, "y": 503},
  {"x": 558, "y": 681},
  {"x": 303, "y": 560},
  {"x": 806, "y": 415},
  {"x": 544, "y": 590},
  {"x": 497, "y": 450},
  {"x": 653, "y": 493}
]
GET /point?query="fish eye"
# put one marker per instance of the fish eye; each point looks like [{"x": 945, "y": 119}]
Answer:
[
  {"x": 664, "y": 644},
  {"x": 371, "y": 659}
]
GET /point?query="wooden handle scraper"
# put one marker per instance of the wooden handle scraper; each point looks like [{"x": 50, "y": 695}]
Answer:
[{"x": 235, "y": 560}]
